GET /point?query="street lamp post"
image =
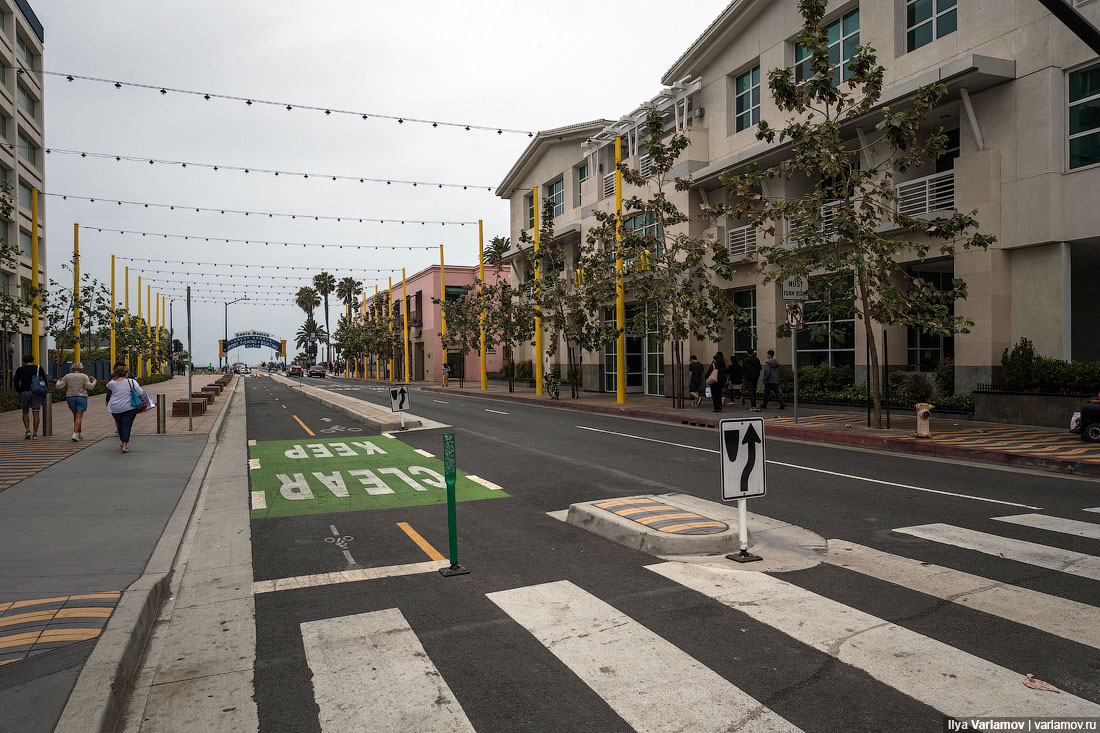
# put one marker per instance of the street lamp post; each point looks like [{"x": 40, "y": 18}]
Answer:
[{"x": 229, "y": 303}]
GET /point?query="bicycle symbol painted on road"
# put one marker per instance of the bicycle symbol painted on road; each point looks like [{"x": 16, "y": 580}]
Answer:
[
  {"x": 340, "y": 429},
  {"x": 341, "y": 542}
]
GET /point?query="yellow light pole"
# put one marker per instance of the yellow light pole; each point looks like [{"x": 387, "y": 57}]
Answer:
[
  {"x": 620, "y": 293},
  {"x": 163, "y": 330},
  {"x": 389, "y": 307},
  {"x": 405, "y": 321},
  {"x": 442, "y": 313},
  {"x": 139, "y": 357},
  {"x": 481, "y": 297},
  {"x": 156, "y": 350},
  {"x": 538, "y": 296},
  {"x": 148, "y": 329},
  {"x": 126, "y": 280},
  {"x": 112, "y": 312},
  {"x": 35, "y": 350},
  {"x": 76, "y": 292}
]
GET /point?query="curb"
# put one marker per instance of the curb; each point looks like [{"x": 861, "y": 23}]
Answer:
[
  {"x": 371, "y": 422},
  {"x": 1015, "y": 460},
  {"x": 98, "y": 700}
]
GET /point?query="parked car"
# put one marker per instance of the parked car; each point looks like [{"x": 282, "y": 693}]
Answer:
[
  {"x": 295, "y": 371},
  {"x": 317, "y": 371},
  {"x": 1086, "y": 422}
]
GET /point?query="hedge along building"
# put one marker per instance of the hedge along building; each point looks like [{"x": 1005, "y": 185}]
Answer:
[
  {"x": 1024, "y": 151},
  {"x": 425, "y": 321}
]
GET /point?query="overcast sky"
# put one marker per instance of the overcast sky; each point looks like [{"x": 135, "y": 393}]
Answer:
[{"x": 502, "y": 64}]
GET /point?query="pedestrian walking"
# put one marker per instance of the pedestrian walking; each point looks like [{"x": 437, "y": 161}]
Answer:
[
  {"x": 76, "y": 384},
  {"x": 716, "y": 380},
  {"x": 750, "y": 371},
  {"x": 695, "y": 385},
  {"x": 733, "y": 380},
  {"x": 30, "y": 382},
  {"x": 446, "y": 373},
  {"x": 122, "y": 391},
  {"x": 771, "y": 381}
]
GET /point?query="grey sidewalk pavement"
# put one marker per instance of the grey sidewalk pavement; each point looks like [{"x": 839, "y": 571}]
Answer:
[{"x": 89, "y": 524}]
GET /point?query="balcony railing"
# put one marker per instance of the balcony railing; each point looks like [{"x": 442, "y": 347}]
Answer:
[
  {"x": 798, "y": 231},
  {"x": 645, "y": 165},
  {"x": 925, "y": 195},
  {"x": 742, "y": 242},
  {"x": 609, "y": 185}
]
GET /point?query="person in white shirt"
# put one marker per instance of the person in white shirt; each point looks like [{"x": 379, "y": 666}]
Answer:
[{"x": 118, "y": 403}]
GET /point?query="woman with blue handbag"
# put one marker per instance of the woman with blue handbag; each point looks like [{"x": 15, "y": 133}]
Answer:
[
  {"x": 126, "y": 399},
  {"x": 30, "y": 382}
]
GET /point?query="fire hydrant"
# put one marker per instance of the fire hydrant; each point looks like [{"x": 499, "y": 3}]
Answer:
[{"x": 924, "y": 417}]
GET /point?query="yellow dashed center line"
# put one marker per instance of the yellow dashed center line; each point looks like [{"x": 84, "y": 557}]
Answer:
[
  {"x": 303, "y": 425},
  {"x": 422, "y": 543}
]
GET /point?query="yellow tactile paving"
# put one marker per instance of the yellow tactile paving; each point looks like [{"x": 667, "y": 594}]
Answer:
[
  {"x": 26, "y": 618},
  {"x": 85, "y": 612},
  {"x": 112, "y": 595},
  {"x": 37, "y": 602},
  {"x": 27, "y": 628},
  {"x": 27, "y": 637},
  {"x": 50, "y": 636}
]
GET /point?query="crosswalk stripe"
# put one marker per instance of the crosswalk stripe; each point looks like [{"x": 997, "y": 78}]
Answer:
[
  {"x": 1032, "y": 553},
  {"x": 1094, "y": 509},
  {"x": 649, "y": 682},
  {"x": 953, "y": 681},
  {"x": 1078, "y": 622},
  {"x": 1054, "y": 524},
  {"x": 370, "y": 672}
]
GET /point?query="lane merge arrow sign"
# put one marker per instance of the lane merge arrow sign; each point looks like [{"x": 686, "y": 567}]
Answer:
[
  {"x": 399, "y": 399},
  {"x": 743, "y": 462}
]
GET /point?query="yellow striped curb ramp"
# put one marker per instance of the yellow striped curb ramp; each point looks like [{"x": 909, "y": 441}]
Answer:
[{"x": 32, "y": 627}]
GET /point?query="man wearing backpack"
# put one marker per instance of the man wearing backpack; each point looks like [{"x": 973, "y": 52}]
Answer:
[{"x": 30, "y": 382}]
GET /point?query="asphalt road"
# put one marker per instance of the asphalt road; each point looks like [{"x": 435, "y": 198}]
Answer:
[{"x": 545, "y": 459}]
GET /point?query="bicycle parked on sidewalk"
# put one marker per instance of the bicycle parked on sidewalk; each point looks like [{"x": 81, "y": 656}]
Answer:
[{"x": 551, "y": 385}]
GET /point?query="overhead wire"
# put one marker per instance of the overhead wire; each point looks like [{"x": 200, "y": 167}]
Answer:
[{"x": 231, "y": 240}]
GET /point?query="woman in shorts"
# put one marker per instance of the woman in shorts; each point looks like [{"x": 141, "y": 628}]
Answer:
[{"x": 76, "y": 384}]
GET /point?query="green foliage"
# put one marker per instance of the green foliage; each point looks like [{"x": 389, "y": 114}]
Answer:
[
  {"x": 1024, "y": 370},
  {"x": 909, "y": 388},
  {"x": 463, "y": 318},
  {"x": 824, "y": 377},
  {"x": 9, "y": 398},
  {"x": 944, "y": 377},
  {"x": 523, "y": 369}
]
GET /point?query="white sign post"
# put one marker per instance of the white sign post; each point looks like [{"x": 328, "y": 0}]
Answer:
[
  {"x": 741, "y": 445},
  {"x": 399, "y": 401}
]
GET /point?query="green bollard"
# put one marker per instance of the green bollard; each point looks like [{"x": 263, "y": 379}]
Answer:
[{"x": 450, "y": 476}]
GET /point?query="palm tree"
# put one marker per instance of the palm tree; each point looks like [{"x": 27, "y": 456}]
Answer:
[
  {"x": 309, "y": 329},
  {"x": 308, "y": 300},
  {"x": 348, "y": 290},
  {"x": 325, "y": 284},
  {"x": 498, "y": 247}
]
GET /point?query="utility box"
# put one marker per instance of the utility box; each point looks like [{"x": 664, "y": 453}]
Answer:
[{"x": 924, "y": 420}]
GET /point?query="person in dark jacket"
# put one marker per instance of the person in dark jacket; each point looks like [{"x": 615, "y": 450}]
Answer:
[
  {"x": 750, "y": 370},
  {"x": 695, "y": 386},
  {"x": 718, "y": 372},
  {"x": 29, "y": 402},
  {"x": 771, "y": 380},
  {"x": 733, "y": 380}
]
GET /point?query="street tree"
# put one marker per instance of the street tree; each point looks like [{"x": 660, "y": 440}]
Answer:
[
  {"x": 463, "y": 318},
  {"x": 325, "y": 285},
  {"x": 835, "y": 233},
  {"x": 307, "y": 299},
  {"x": 509, "y": 319},
  {"x": 309, "y": 329}
]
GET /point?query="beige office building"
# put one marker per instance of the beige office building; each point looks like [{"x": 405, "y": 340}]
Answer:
[
  {"x": 1022, "y": 116},
  {"x": 22, "y": 160}
]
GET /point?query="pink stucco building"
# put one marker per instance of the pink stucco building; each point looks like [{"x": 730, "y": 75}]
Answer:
[{"x": 425, "y": 347}]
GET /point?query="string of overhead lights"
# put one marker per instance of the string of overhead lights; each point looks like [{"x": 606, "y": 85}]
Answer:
[
  {"x": 249, "y": 169},
  {"x": 262, "y": 267},
  {"x": 230, "y": 240},
  {"x": 289, "y": 106},
  {"x": 268, "y": 214},
  {"x": 220, "y": 284}
]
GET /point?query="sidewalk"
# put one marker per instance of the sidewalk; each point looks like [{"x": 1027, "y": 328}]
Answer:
[
  {"x": 75, "y": 535},
  {"x": 1022, "y": 446}
]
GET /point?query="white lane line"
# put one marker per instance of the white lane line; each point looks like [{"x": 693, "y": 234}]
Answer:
[
  {"x": 251, "y": 443},
  {"x": 389, "y": 435},
  {"x": 442, "y": 402},
  {"x": 953, "y": 681},
  {"x": 1068, "y": 619},
  {"x": 648, "y": 681},
  {"x": 1094, "y": 509},
  {"x": 259, "y": 500},
  {"x": 822, "y": 470},
  {"x": 347, "y": 576},
  {"x": 487, "y": 484},
  {"x": 1054, "y": 524},
  {"x": 1032, "y": 553},
  {"x": 424, "y": 453},
  {"x": 498, "y": 412},
  {"x": 379, "y": 652},
  {"x": 253, "y": 464}
]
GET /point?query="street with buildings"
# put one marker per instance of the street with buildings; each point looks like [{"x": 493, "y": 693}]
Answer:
[{"x": 412, "y": 452}]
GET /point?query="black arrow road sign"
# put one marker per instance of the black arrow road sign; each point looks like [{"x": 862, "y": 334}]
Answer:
[
  {"x": 743, "y": 458},
  {"x": 751, "y": 440}
]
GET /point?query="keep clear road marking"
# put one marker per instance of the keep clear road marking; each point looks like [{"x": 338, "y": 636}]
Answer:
[
  {"x": 422, "y": 543},
  {"x": 303, "y": 425},
  {"x": 952, "y": 681},
  {"x": 1052, "y": 558},
  {"x": 379, "y": 652},
  {"x": 1054, "y": 524},
  {"x": 654, "y": 686},
  {"x": 821, "y": 470},
  {"x": 497, "y": 412},
  {"x": 1068, "y": 619}
]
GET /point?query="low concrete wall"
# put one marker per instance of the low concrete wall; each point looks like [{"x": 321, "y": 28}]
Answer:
[{"x": 1027, "y": 408}]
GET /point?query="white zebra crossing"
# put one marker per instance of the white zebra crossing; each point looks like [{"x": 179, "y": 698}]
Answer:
[
  {"x": 1068, "y": 619},
  {"x": 1032, "y": 553},
  {"x": 1054, "y": 524},
  {"x": 954, "y": 682},
  {"x": 649, "y": 682},
  {"x": 370, "y": 672}
]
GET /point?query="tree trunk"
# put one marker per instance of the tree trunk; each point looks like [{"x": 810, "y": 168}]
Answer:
[
  {"x": 876, "y": 386},
  {"x": 510, "y": 357},
  {"x": 569, "y": 366}
]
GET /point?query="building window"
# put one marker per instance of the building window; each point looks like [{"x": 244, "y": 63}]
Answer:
[
  {"x": 25, "y": 244},
  {"x": 825, "y": 338},
  {"x": 26, "y": 101},
  {"x": 946, "y": 162},
  {"x": 556, "y": 193},
  {"x": 1084, "y": 116},
  {"x": 25, "y": 294},
  {"x": 4, "y": 122},
  {"x": 582, "y": 176},
  {"x": 927, "y": 20},
  {"x": 843, "y": 34},
  {"x": 748, "y": 99},
  {"x": 654, "y": 352},
  {"x": 644, "y": 225},
  {"x": 744, "y": 337},
  {"x": 927, "y": 351},
  {"x": 25, "y": 50},
  {"x": 28, "y": 149},
  {"x": 25, "y": 195},
  {"x": 529, "y": 205}
]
